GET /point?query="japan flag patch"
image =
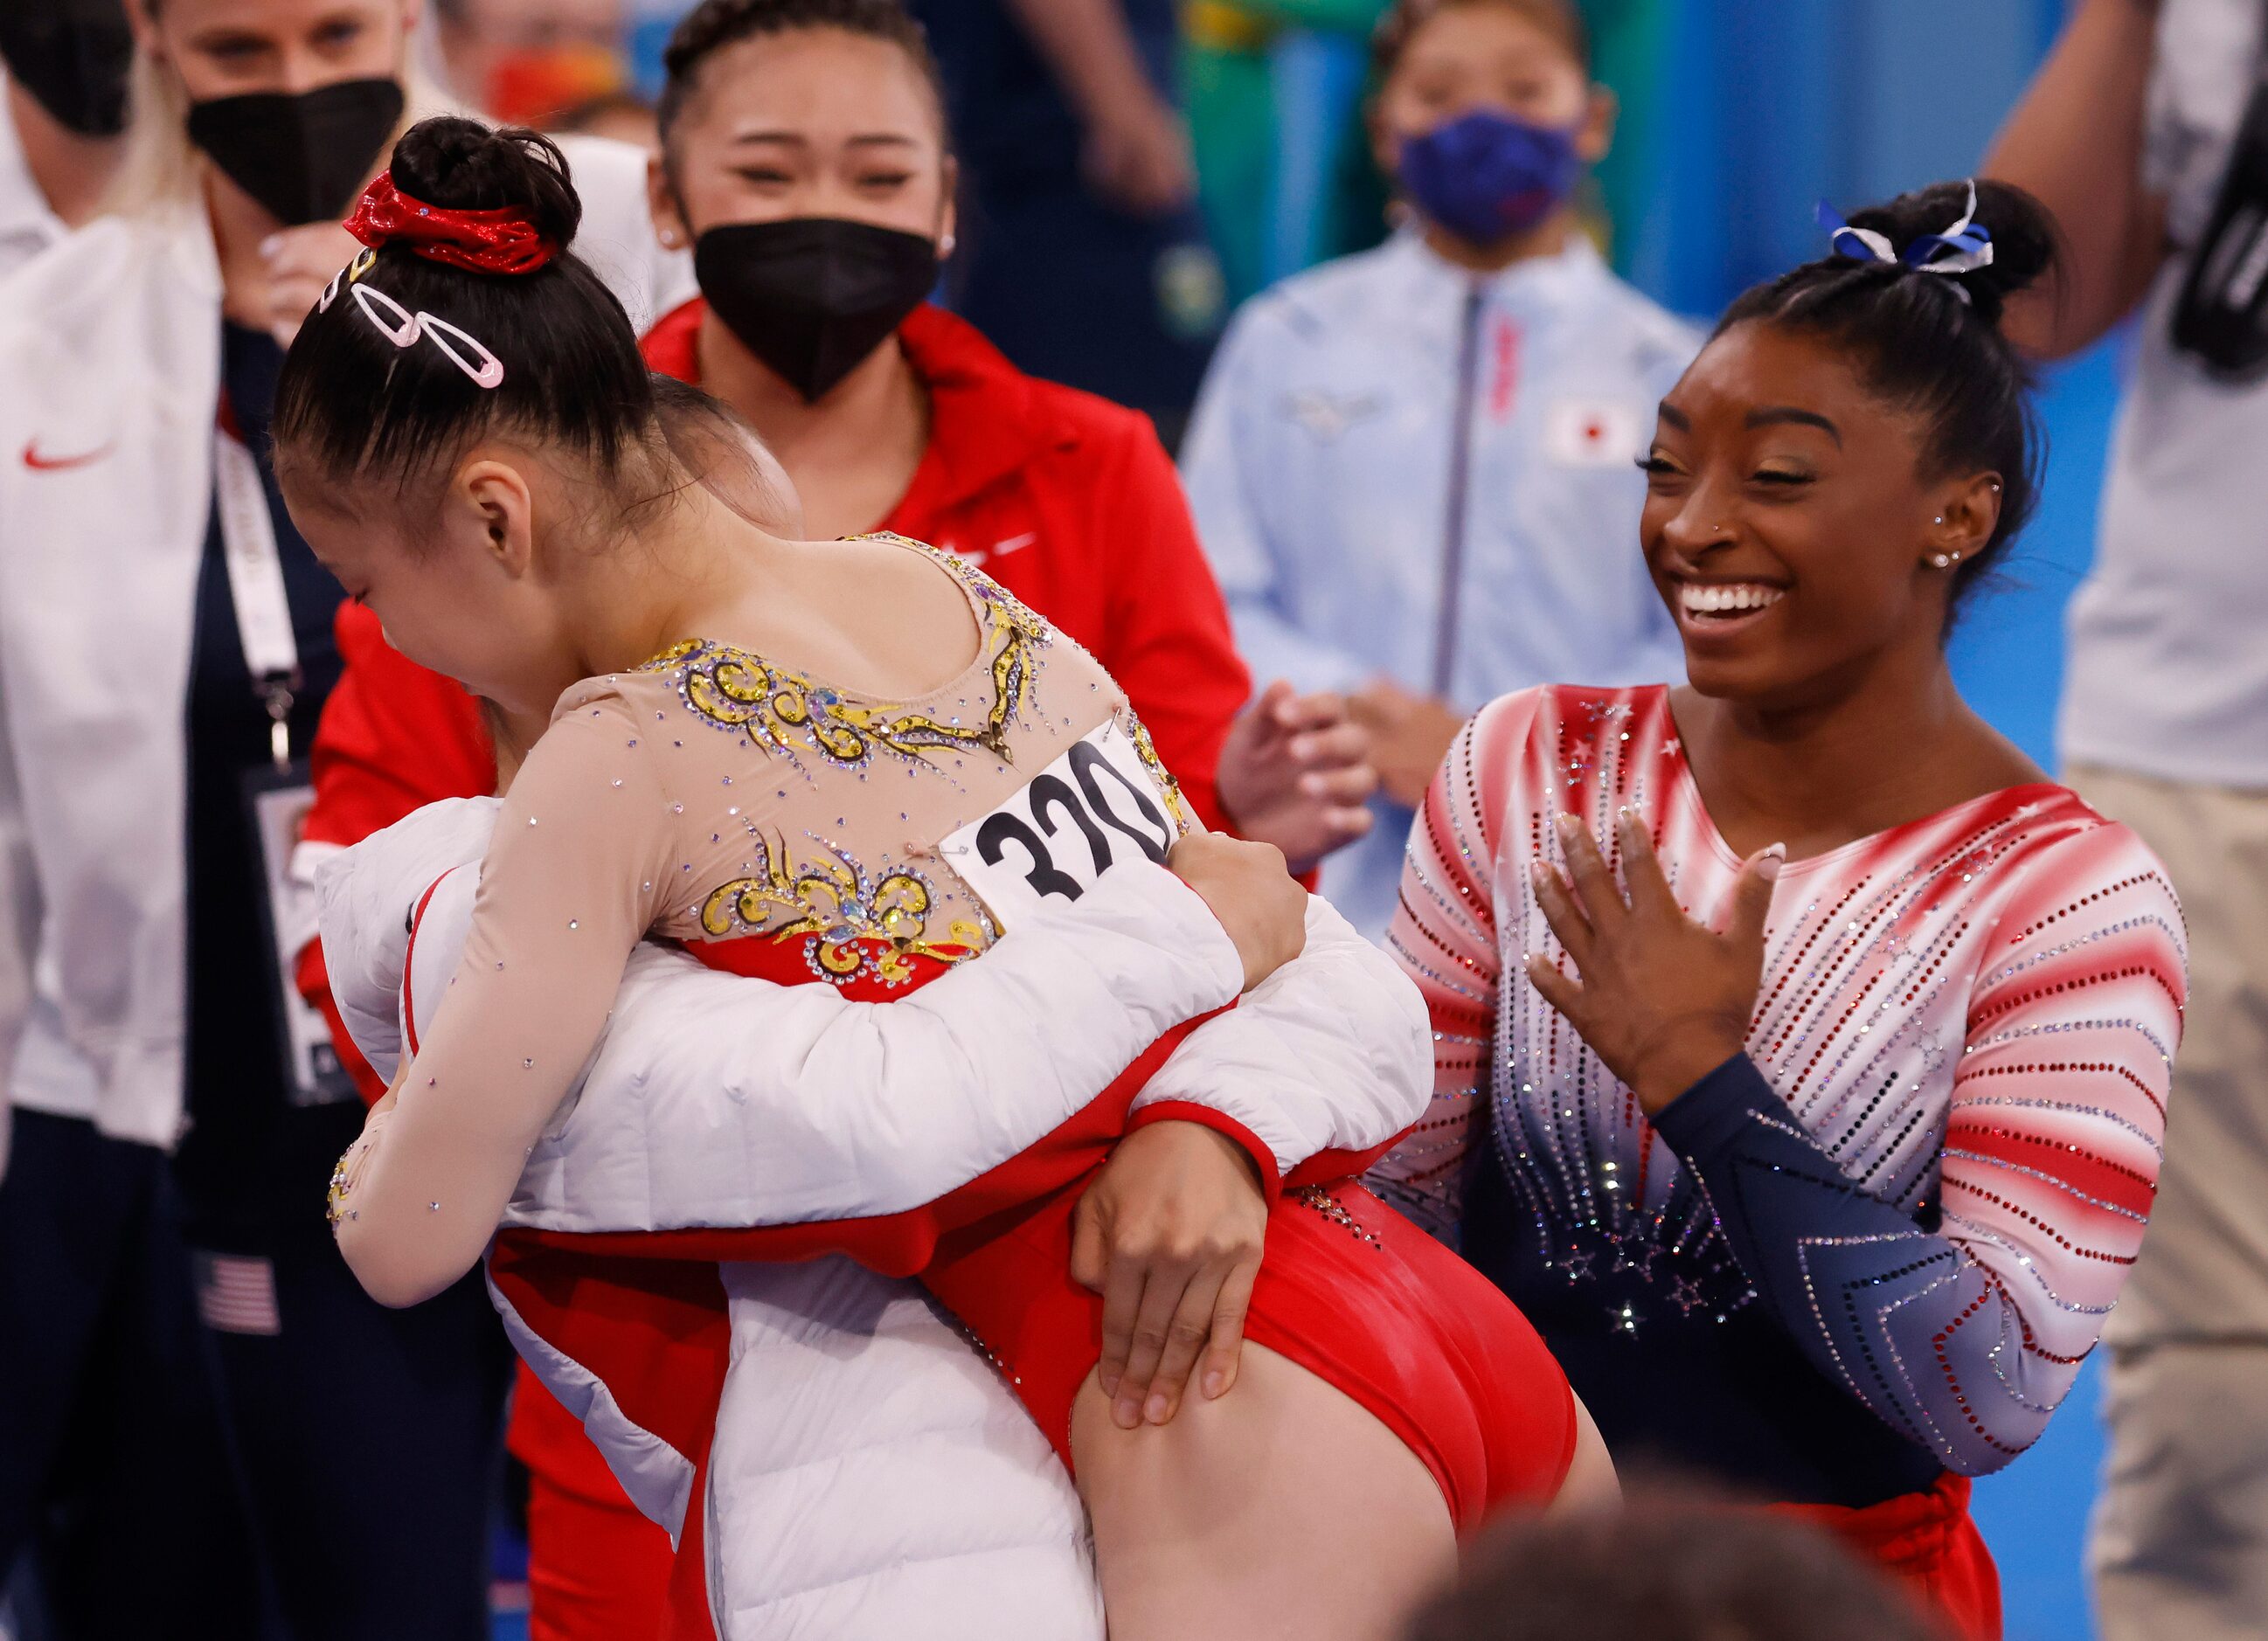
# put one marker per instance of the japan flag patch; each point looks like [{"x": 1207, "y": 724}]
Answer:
[{"x": 1592, "y": 433}]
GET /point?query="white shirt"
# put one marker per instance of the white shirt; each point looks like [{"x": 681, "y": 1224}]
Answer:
[
  {"x": 27, "y": 226},
  {"x": 2169, "y": 664}
]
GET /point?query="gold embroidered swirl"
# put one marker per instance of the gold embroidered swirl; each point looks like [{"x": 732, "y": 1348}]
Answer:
[
  {"x": 737, "y": 690},
  {"x": 848, "y": 920},
  {"x": 1176, "y": 805}
]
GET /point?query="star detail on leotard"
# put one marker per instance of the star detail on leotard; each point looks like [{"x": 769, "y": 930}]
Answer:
[
  {"x": 1322, "y": 1199},
  {"x": 1636, "y": 1250}
]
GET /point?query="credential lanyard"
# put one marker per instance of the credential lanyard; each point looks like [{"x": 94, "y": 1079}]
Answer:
[{"x": 256, "y": 587}]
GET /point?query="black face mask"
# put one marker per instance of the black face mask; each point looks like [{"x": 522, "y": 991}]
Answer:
[
  {"x": 72, "y": 56},
  {"x": 303, "y": 155},
  {"x": 811, "y": 297}
]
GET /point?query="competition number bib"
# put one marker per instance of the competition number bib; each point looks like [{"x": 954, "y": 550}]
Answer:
[{"x": 1097, "y": 807}]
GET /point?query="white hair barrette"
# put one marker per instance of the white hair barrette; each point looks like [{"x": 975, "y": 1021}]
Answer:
[{"x": 1959, "y": 250}]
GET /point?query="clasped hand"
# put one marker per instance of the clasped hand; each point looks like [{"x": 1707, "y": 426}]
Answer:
[
  {"x": 299, "y": 263},
  {"x": 1295, "y": 772},
  {"x": 1170, "y": 1235},
  {"x": 1170, "y": 1232},
  {"x": 1663, "y": 999}
]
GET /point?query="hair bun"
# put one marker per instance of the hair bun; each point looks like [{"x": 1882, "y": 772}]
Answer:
[
  {"x": 2025, "y": 243},
  {"x": 465, "y": 166}
]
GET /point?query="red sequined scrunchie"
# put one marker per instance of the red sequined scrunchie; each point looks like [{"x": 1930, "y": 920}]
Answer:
[{"x": 501, "y": 242}]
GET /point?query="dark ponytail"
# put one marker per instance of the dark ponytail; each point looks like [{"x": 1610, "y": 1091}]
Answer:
[
  {"x": 352, "y": 404},
  {"x": 1930, "y": 343},
  {"x": 714, "y": 26}
]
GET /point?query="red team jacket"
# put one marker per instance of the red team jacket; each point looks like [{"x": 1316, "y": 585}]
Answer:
[{"x": 1067, "y": 500}]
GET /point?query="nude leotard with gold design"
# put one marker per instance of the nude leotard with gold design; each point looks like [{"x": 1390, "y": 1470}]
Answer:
[
  {"x": 776, "y": 825},
  {"x": 767, "y": 779}
]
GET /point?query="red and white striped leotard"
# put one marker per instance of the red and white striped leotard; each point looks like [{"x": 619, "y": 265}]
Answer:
[{"x": 1929, "y": 1174}]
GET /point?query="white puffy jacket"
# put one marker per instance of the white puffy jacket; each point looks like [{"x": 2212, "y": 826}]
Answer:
[{"x": 871, "y": 1475}]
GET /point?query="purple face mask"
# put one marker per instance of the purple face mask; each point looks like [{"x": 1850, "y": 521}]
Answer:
[{"x": 1486, "y": 176}]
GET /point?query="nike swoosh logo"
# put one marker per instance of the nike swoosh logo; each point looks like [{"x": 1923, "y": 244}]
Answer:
[{"x": 39, "y": 463}]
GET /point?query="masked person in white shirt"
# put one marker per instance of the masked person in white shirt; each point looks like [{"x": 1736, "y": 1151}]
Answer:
[
  {"x": 1413, "y": 469},
  {"x": 165, "y": 650},
  {"x": 2147, "y": 134},
  {"x": 63, "y": 109}
]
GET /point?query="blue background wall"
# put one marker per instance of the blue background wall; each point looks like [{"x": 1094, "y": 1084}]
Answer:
[{"x": 1767, "y": 107}]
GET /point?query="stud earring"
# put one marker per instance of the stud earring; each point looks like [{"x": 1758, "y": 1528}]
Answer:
[
  {"x": 1943, "y": 560},
  {"x": 1941, "y": 519},
  {"x": 669, "y": 238},
  {"x": 945, "y": 247}
]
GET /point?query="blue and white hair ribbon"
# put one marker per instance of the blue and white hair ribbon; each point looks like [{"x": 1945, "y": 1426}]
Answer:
[{"x": 1959, "y": 250}]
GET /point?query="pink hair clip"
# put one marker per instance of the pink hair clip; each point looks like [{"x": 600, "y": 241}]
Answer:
[{"x": 401, "y": 327}]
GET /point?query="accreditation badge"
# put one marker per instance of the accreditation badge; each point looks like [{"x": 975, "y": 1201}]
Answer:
[{"x": 279, "y": 801}]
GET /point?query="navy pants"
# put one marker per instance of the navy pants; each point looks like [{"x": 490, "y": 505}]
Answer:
[
  {"x": 370, "y": 1440},
  {"x": 113, "y": 1473},
  {"x": 147, "y": 1453}
]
